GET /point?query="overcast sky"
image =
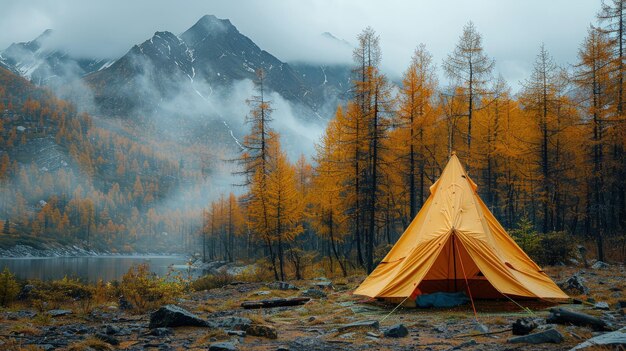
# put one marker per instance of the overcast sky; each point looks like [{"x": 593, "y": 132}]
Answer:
[{"x": 512, "y": 30}]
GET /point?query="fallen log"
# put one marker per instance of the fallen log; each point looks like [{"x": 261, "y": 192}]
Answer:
[
  {"x": 278, "y": 302},
  {"x": 564, "y": 316}
]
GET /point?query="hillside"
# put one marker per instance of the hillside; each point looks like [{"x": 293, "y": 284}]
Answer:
[{"x": 68, "y": 177}]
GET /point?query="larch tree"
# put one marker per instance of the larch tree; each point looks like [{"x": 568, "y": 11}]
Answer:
[
  {"x": 284, "y": 203},
  {"x": 469, "y": 68},
  {"x": 372, "y": 96},
  {"x": 540, "y": 99},
  {"x": 255, "y": 145},
  {"x": 328, "y": 215},
  {"x": 414, "y": 120},
  {"x": 612, "y": 18},
  {"x": 593, "y": 74}
]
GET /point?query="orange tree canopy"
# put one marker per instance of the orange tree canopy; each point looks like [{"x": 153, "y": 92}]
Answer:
[{"x": 454, "y": 243}]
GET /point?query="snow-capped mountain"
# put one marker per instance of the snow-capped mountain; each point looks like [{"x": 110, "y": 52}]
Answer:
[
  {"x": 40, "y": 63},
  {"x": 209, "y": 56},
  {"x": 167, "y": 71}
]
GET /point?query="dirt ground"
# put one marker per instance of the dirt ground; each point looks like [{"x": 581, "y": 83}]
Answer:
[{"x": 314, "y": 325}]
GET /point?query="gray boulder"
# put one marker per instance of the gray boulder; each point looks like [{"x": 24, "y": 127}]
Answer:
[
  {"x": 575, "y": 284},
  {"x": 616, "y": 338},
  {"x": 175, "y": 316},
  {"x": 547, "y": 336}
]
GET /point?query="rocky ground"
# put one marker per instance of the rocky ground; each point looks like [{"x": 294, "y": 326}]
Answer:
[{"x": 333, "y": 319}]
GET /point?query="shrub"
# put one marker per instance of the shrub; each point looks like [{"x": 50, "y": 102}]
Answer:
[
  {"x": 557, "y": 247},
  {"x": 9, "y": 288},
  {"x": 547, "y": 249},
  {"x": 527, "y": 238},
  {"x": 53, "y": 294},
  {"x": 145, "y": 290},
  {"x": 212, "y": 281}
]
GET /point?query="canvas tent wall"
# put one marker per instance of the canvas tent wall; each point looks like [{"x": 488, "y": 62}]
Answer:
[{"x": 455, "y": 237}]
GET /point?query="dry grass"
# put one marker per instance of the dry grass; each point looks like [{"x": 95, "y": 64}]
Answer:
[
  {"x": 42, "y": 318},
  {"x": 212, "y": 334},
  {"x": 24, "y": 329},
  {"x": 17, "y": 345},
  {"x": 90, "y": 343}
]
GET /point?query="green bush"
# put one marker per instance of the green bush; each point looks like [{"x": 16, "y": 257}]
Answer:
[
  {"x": 145, "y": 290},
  {"x": 557, "y": 247},
  {"x": 9, "y": 288},
  {"x": 527, "y": 238},
  {"x": 546, "y": 249},
  {"x": 53, "y": 294}
]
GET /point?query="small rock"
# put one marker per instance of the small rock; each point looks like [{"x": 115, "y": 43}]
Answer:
[
  {"x": 282, "y": 286},
  {"x": 175, "y": 316},
  {"x": 324, "y": 284},
  {"x": 282, "y": 348},
  {"x": 59, "y": 313},
  {"x": 46, "y": 347},
  {"x": 601, "y": 306},
  {"x": 314, "y": 293},
  {"x": 312, "y": 319},
  {"x": 107, "y": 338},
  {"x": 236, "y": 333},
  {"x": 20, "y": 314},
  {"x": 547, "y": 336},
  {"x": 234, "y": 323},
  {"x": 523, "y": 326},
  {"x": 372, "y": 334},
  {"x": 349, "y": 335},
  {"x": 621, "y": 304},
  {"x": 222, "y": 346},
  {"x": 600, "y": 265},
  {"x": 373, "y": 324},
  {"x": 265, "y": 331},
  {"x": 263, "y": 292},
  {"x": 440, "y": 329},
  {"x": 575, "y": 284},
  {"x": 111, "y": 329},
  {"x": 397, "y": 331},
  {"x": 160, "y": 331}
]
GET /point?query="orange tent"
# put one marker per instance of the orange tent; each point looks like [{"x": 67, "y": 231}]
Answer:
[{"x": 455, "y": 242}]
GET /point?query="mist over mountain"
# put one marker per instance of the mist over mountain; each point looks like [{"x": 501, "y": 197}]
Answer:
[
  {"x": 189, "y": 85},
  {"x": 164, "y": 120}
]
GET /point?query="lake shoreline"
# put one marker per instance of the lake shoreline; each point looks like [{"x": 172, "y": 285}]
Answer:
[{"x": 26, "y": 251}]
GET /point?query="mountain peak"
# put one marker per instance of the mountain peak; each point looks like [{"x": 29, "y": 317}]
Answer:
[
  {"x": 207, "y": 26},
  {"x": 330, "y": 36},
  {"x": 43, "y": 36},
  {"x": 211, "y": 19}
]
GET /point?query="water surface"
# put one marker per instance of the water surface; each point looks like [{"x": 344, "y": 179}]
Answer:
[{"x": 90, "y": 268}]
